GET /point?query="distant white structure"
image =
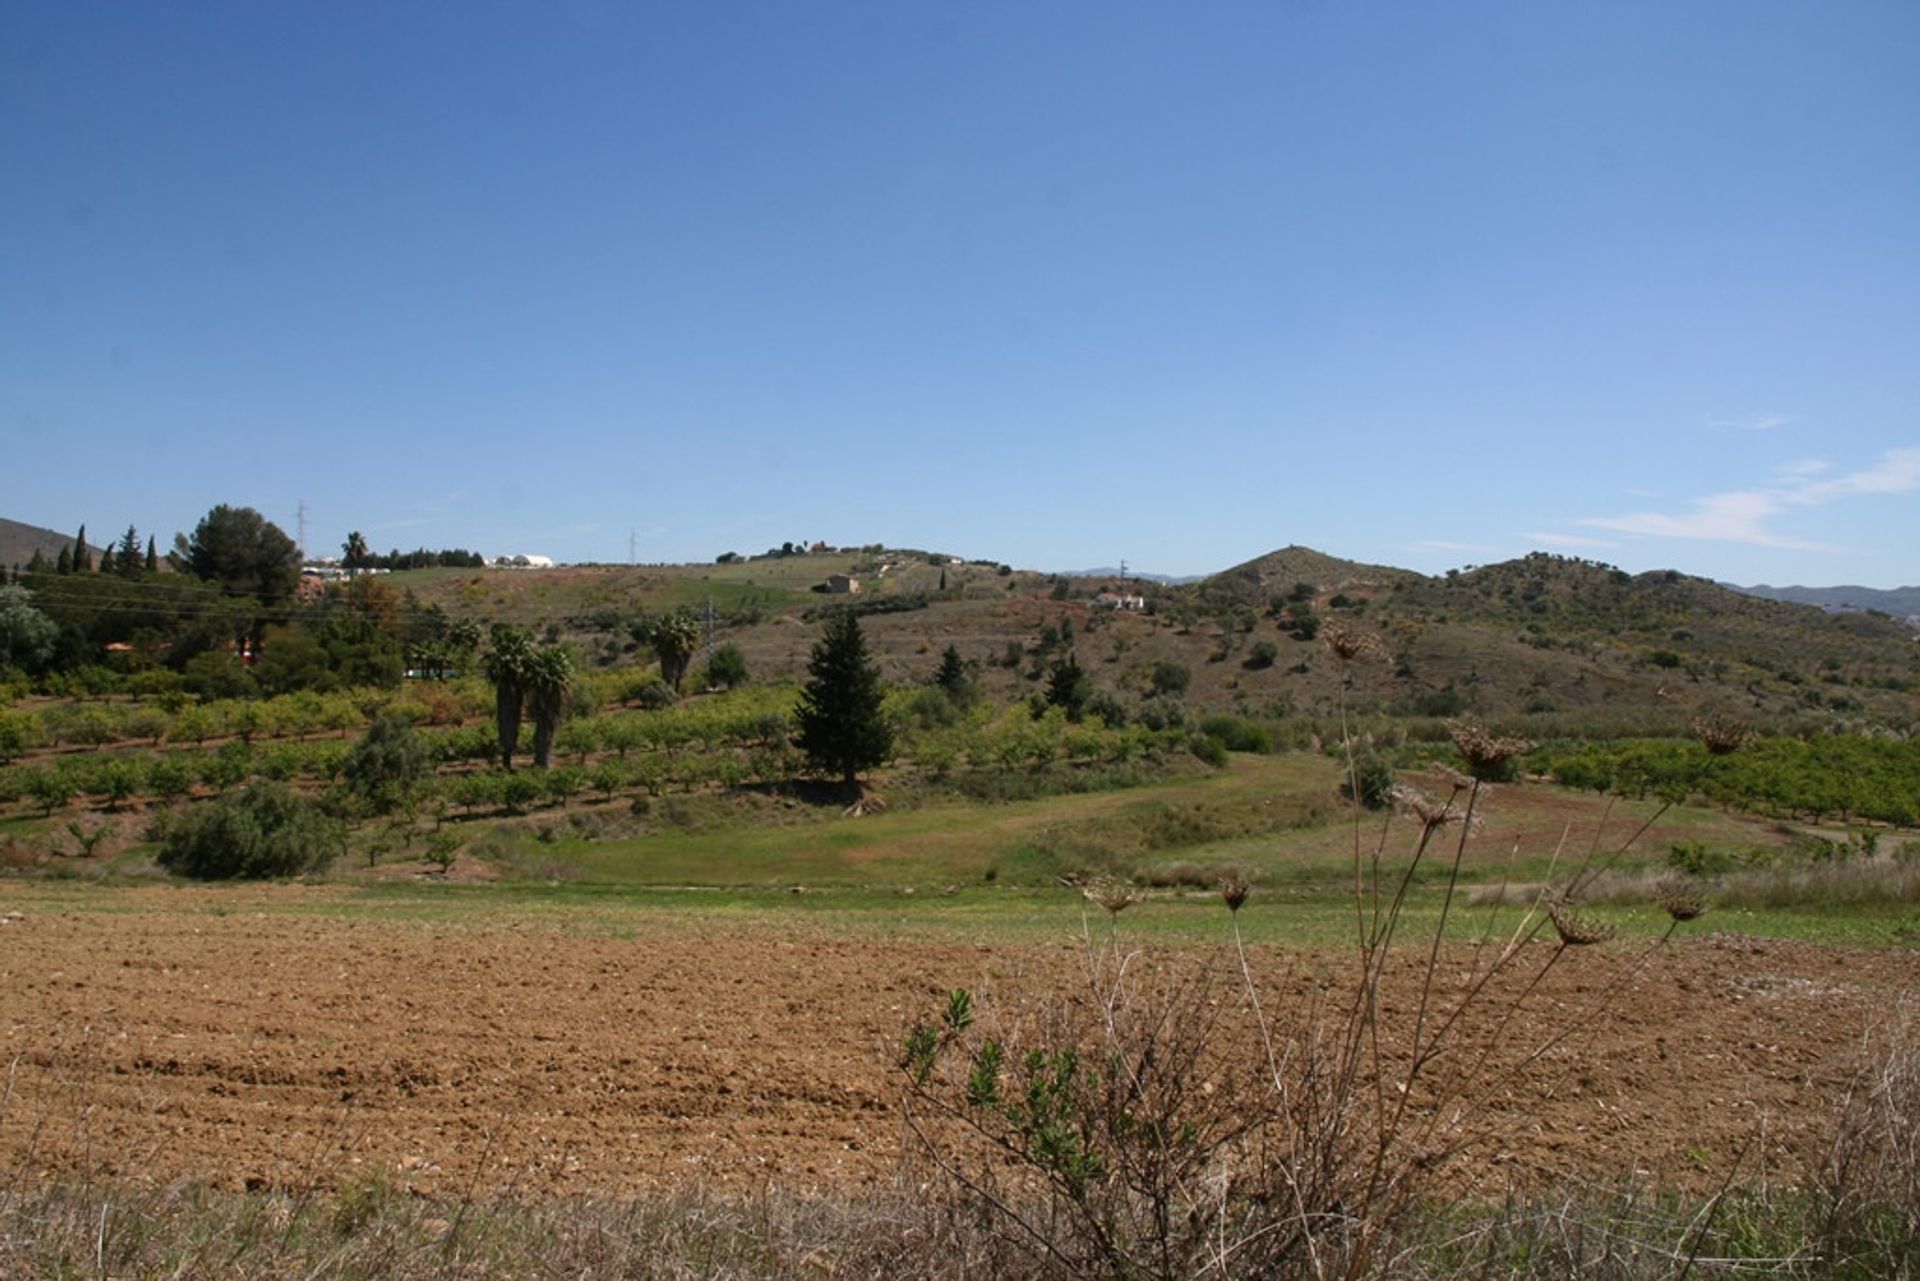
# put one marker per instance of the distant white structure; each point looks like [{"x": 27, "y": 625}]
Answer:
[
  {"x": 522, "y": 561},
  {"x": 1131, "y": 604}
]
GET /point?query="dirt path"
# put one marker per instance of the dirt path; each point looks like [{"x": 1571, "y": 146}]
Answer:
[{"x": 238, "y": 1037}]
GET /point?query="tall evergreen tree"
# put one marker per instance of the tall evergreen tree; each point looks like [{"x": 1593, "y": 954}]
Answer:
[
  {"x": 64, "y": 565},
  {"x": 841, "y": 727},
  {"x": 953, "y": 678},
  {"x": 127, "y": 560},
  {"x": 106, "y": 559},
  {"x": 82, "y": 559},
  {"x": 153, "y": 561}
]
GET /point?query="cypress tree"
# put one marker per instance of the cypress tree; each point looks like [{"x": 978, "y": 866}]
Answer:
[
  {"x": 153, "y": 562},
  {"x": 64, "y": 564},
  {"x": 106, "y": 559},
  {"x": 82, "y": 562}
]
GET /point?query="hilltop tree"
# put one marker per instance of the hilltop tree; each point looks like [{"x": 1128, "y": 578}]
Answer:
[
  {"x": 841, "y": 727},
  {"x": 82, "y": 558},
  {"x": 153, "y": 561},
  {"x": 244, "y": 552},
  {"x": 127, "y": 561}
]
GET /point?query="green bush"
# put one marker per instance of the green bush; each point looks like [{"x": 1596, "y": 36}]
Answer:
[
  {"x": 386, "y": 765},
  {"x": 1696, "y": 858},
  {"x": 727, "y": 667},
  {"x": 1208, "y": 749},
  {"x": 264, "y": 830},
  {"x": 1236, "y": 734},
  {"x": 1371, "y": 782},
  {"x": 1170, "y": 679}
]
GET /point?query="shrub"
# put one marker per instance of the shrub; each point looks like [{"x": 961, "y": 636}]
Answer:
[
  {"x": 1208, "y": 749},
  {"x": 1696, "y": 858},
  {"x": 386, "y": 764},
  {"x": 727, "y": 667},
  {"x": 264, "y": 830},
  {"x": 1169, "y": 679},
  {"x": 1371, "y": 782},
  {"x": 1236, "y": 734}
]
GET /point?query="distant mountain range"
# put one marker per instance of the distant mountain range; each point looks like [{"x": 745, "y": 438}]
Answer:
[
  {"x": 1901, "y": 602},
  {"x": 1110, "y": 571}
]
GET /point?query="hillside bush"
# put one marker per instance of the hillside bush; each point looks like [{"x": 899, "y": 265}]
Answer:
[
  {"x": 264, "y": 830},
  {"x": 1371, "y": 782},
  {"x": 387, "y": 764},
  {"x": 1237, "y": 734}
]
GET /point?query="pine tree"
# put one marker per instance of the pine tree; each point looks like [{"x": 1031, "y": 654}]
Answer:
[
  {"x": 953, "y": 678},
  {"x": 841, "y": 727},
  {"x": 64, "y": 564},
  {"x": 127, "y": 560}
]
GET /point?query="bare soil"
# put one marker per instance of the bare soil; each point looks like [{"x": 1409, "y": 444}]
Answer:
[{"x": 272, "y": 1037}]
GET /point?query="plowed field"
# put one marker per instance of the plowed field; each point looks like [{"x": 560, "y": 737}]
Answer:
[{"x": 274, "y": 1037}]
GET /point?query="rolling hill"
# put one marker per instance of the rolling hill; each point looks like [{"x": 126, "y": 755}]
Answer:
[
  {"x": 19, "y": 541},
  {"x": 1544, "y": 637}
]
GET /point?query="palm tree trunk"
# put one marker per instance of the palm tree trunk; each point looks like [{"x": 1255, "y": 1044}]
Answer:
[
  {"x": 506, "y": 710},
  {"x": 546, "y": 719}
]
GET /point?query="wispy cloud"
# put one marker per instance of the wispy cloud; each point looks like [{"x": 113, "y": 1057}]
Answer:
[
  {"x": 1750, "y": 422},
  {"x": 1897, "y": 472},
  {"x": 1803, "y": 468},
  {"x": 1544, "y": 539},
  {"x": 1744, "y": 516},
  {"x": 1738, "y": 517}
]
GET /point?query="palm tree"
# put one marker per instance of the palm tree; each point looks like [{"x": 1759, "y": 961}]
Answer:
[
  {"x": 508, "y": 664},
  {"x": 356, "y": 550},
  {"x": 549, "y": 682},
  {"x": 674, "y": 638}
]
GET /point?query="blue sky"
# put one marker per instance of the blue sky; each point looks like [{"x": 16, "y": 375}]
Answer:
[{"x": 1056, "y": 284}]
